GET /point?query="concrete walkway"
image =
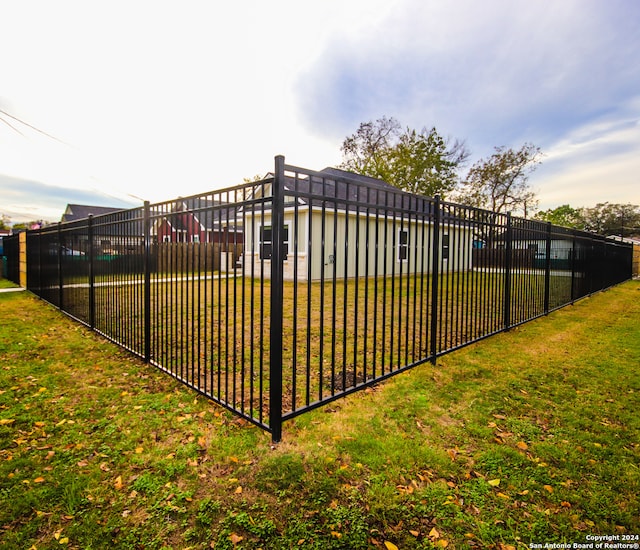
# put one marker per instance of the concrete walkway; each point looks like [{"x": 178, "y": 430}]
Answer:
[{"x": 14, "y": 289}]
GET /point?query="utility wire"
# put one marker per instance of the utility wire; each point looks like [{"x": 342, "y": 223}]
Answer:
[
  {"x": 29, "y": 126},
  {"x": 10, "y": 126}
]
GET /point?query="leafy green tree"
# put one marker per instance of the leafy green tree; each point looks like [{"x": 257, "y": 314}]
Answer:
[
  {"x": 612, "y": 219},
  {"x": 4, "y": 222},
  {"x": 500, "y": 183},
  {"x": 418, "y": 162},
  {"x": 565, "y": 216}
]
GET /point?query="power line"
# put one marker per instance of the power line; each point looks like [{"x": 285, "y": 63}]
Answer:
[
  {"x": 29, "y": 126},
  {"x": 12, "y": 127}
]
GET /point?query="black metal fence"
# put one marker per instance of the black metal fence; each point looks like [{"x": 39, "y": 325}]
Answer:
[{"x": 276, "y": 297}]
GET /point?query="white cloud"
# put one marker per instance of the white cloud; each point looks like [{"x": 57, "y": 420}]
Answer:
[
  {"x": 165, "y": 97},
  {"x": 596, "y": 162}
]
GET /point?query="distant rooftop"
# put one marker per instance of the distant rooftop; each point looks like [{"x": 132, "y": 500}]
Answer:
[{"x": 81, "y": 211}]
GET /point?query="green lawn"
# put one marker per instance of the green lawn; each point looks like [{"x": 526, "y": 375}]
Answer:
[
  {"x": 531, "y": 436},
  {"x": 214, "y": 332},
  {"x": 4, "y": 283}
]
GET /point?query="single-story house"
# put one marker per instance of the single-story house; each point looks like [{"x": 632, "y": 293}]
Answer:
[{"x": 351, "y": 225}]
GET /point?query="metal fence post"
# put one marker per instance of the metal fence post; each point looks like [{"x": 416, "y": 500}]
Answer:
[
  {"x": 547, "y": 271},
  {"x": 435, "y": 279},
  {"x": 92, "y": 295},
  {"x": 573, "y": 266},
  {"x": 60, "y": 278},
  {"x": 277, "y": 282},
  {"x": 507, "y": 273},
  {"x": 40, "y": 261},
  {"x": 147, "y": 281}
]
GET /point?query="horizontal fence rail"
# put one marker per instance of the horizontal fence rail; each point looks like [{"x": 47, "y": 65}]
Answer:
[{"x": 279, "y": 296}]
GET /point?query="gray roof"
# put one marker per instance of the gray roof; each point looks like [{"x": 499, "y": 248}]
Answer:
[
  {"x": 75, "y": 212},
  {"x": 351, "y": 191}
]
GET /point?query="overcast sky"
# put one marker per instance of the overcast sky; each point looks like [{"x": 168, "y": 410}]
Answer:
[{"x": 156, "y": 99}]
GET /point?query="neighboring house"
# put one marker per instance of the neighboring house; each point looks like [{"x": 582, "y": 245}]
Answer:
[
  {"x": 192, "y": 220},
  {"x": 351, "y": 225},
  {"x": 107, "y": 243},
  {"x": 75, "y": 212},
  {"x": 197, "y": 220}
]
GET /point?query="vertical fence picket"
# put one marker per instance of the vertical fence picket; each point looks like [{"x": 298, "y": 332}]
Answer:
[
  {"x": 146, "y": 228},
  {"x": 276, "y": 309},
  {"x": 547, "y": 269},
  {"x": 435, "y": 272},
  {"x": 507, "y": 272},
  {"x": 92, "y": 288}
]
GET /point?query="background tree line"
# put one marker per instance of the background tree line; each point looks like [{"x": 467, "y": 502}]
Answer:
[
  {"x": 426, "y": 163},
  {"x": 604, "y": 218}
]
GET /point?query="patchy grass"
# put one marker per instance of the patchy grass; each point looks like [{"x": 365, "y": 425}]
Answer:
[{"x": 531, "y": 436}]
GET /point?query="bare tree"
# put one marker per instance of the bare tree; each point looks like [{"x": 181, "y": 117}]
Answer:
[{"x": 500, "y": 183}]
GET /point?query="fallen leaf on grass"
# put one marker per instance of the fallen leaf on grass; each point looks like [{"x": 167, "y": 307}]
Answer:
[
  {"x": 522, "y": 445},
  {"x": 548, "y": 488},
  {"x": 433, "y": 534},
  {"x": 238, "y": 490},
  {"x": 38, "y": 480},
  {"x": 235, "y": 539},
  {"x": 7, "y": 421},
  {"x": 415, "y": 533},
  {"x": 494, "y": 482},
  {"x": 117, "y": 484},
  {"x": 390, "y": 545}
]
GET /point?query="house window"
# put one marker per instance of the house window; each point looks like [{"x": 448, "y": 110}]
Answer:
[
  {"x": 266, "y": 242},
  {"x": 166, "y": 238},
  {"x": 195, "y": 238},
  {"x": 181, "y": 236},
  {"x": 445, "y": 246},
  {"x": 403, "y": 245}
]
